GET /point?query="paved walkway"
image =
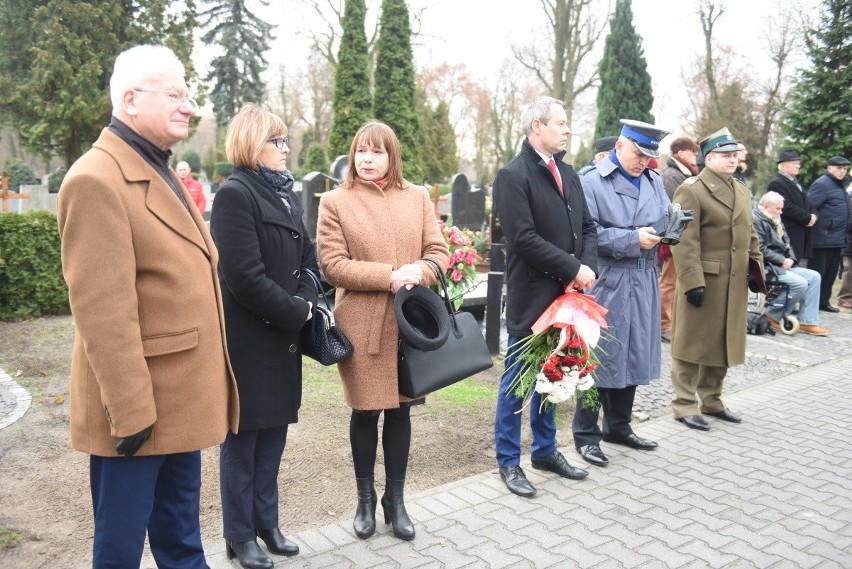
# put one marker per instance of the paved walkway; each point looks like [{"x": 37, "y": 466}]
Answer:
[{"x": 774, "y": 491}]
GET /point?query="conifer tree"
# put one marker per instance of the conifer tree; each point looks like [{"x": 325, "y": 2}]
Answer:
[
  {"x": 625, "y": 91},
  {"x": 353, "y": 104},
  {"x": 819, "y": 123},
  {"x": 56, "y": 58},
  {"x": 394, "y": 102},
  {"x": 437, "y": 134},
  {"x": 242, "y": 38}
]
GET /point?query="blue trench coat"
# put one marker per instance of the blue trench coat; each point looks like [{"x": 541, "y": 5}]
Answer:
[{"x": 627, "y": 284}]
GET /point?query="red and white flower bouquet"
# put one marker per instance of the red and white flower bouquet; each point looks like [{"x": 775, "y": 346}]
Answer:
[
  {"x": 558, "y": 360},
  {"x": 461, "y": 267}
]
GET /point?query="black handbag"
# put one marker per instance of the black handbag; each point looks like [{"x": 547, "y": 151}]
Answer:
[
  {"x": 321, "y": 339},
  {"x": 424, "y": 368}
]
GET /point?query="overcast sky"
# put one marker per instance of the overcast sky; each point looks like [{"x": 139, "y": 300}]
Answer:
[{"x": 478, "y": 33}]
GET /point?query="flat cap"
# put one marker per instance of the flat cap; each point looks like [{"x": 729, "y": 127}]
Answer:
[
  {"x": 788, "y": 155},
  {"x": 605, "y": 144},
  {"x": 645, "y": 136},
  {"x": 838, "y": 161},
  {"x": 720, "y": 141}
]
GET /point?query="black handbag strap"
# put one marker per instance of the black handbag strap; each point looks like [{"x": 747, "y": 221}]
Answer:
[
  {"x": 446, "y": 295},
  {"x": 318, "y": 285}
]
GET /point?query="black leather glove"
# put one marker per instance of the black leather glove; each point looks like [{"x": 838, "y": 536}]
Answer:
[
  {"x": 128, "y": 446},
  {"x": 695, "y": 297},
  {"x": 677, "y": 221}
]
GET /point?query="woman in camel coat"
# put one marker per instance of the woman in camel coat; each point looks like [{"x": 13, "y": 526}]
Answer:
[{"x": 371, "y": 232}]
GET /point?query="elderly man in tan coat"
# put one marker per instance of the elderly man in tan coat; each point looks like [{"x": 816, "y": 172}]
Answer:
[
  {"x": 151, "y": 384},
  {"x": 712, "y": 263}
]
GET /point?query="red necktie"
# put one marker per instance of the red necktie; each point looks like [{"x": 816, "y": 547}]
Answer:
[{"x": 552, "y": 167}]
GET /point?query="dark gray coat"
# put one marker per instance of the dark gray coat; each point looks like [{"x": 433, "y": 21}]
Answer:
[
  {"x": 829, "y": 202},
  {"x": 262, "y": 248},
  {"x": 796, "y": 214}
]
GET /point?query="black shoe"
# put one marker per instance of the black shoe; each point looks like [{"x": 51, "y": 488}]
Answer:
[
  {"x": 695, "y": 422},
  {"x": 557, "y": 463},
  {"x": 593, "y": 454},
  {"x": 726, "y": 416},
  {"x": 631, "y": 441},
  {"x": 393, "y": 506},
  {"x": 276, "y": 542},
  {"x": 365, "y": 515},
  {"x": 829, "y": 308},
  {"x": 249, "y": 554},
  {"x": 516, "y": 481}
]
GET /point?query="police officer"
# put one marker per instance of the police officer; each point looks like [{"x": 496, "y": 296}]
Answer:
[{"x": 625, "y": 199}]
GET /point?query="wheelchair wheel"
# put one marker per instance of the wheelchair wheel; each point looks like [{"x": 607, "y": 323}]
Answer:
[{"x": 789, "y": 325}]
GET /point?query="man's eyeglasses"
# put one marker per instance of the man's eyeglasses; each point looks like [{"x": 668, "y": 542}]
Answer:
[
  {"x": 279, "y": 142},
  {"x": 174, "y": 97}
]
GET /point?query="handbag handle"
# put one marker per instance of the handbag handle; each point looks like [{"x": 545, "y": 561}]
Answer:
[
  {"x": 446, "y": 296},
  {"x": 318, "y": 285}
]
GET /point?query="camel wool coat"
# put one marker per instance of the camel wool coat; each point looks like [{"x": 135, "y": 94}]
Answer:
[
  {"x": 714, "y": 253},
  {"x": 149, "y": 347},
  {"x": 364, "y": 233}
]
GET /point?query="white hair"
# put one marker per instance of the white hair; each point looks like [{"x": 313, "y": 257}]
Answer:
[
  {"x": 538, "y": 110},
  {"x": 138, "y": 64},
  {"x": 771, "y": 198}
]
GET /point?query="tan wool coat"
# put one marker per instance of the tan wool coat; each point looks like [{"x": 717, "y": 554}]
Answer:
[
  {"x": 713, "y": 253},
  {"x": 363, "y": 234},
  {"x": 150, "y": 335}
]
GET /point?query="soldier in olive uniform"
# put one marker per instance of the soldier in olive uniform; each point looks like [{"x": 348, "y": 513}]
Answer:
[{"x": 712, "y": 263}]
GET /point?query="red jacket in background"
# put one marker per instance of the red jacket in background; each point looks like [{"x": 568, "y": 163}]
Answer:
[{"x": 196, "y": 190}]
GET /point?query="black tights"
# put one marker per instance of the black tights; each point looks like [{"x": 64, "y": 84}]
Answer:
[{"x": 396, "y": 441}]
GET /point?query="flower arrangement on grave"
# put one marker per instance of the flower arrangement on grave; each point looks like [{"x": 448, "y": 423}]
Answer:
[
  {"x": 461, "y": 268},
  {"x": 558, "y": 359}
]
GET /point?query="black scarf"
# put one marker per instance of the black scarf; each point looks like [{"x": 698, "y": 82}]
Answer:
[{"x": 282, "y": 183}]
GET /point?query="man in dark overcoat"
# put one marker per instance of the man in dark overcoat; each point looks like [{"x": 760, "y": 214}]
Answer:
[
  {"x": 712, "y": 263},
  {"x": 551, "y": 247},
  {"x": 828, "y": 200},
  {"x": 796, "y": 217}
]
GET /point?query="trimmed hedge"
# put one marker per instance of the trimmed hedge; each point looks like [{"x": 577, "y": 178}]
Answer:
[{"x": 31, "y": 282}]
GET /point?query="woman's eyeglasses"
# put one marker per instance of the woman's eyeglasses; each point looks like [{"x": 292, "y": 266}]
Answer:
[{"x": 279, "y": 142}]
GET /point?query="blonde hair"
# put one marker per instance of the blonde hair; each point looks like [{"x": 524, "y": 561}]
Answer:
[
  {"x": 376, "y": 133},
  {"x": 248, "y": 131}
]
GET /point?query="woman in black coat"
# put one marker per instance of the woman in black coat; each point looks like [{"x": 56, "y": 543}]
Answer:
[{"x": 264, "y": 248}]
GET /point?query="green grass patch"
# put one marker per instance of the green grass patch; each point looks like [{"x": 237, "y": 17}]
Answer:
[
  {"x": 467, "y": 393},
  {"x": 10, "y": 537}
]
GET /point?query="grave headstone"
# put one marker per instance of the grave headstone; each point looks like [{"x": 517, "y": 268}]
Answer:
[
  {"x": 339, "y": 167},
  {"x": 313, "y": 186},
  {"x": 468, "y": 204},
  {"x": 40, "y": 199}
]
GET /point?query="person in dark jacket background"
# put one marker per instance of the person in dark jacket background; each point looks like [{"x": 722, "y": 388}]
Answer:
[
  {"x": 797, "y": 216},
  {"x": 829, "y": 203},
  {"x": 264, "y": 250},
  {"x": 551, "y": 247}
]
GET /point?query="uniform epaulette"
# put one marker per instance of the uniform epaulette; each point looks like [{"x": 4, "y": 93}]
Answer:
[{"x": 691, "y": 180}]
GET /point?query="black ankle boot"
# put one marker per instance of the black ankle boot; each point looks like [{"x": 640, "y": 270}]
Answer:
[
  {"x": 394, "y": 508},
  {"x": 276, "y": 542},
  {"x": 249, "y": 553},
  {"x": 365, "y": 515}
]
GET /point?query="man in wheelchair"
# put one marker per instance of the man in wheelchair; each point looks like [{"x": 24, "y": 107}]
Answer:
[{"x": 782, "y": 270}]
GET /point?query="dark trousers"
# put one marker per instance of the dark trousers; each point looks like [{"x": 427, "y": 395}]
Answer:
[
  {"x": 159, "y": 494},
  {"x": 507, "y": 421},
  {"x": 396, "y": 441},
  {"x": 248, "y": 478},
  {"x": 617, "y": 407},
  {"x": 826, "y": 261}
]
